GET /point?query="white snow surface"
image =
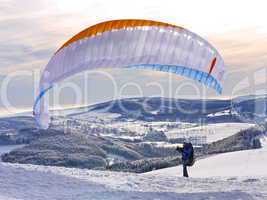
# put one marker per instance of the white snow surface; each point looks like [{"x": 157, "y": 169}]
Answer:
[
  {"x": 248, "y": 163},
  {"x": 212, "y": 132},
  {"x": 25, "y": 182},
  {"x": 238, "y": 175}
]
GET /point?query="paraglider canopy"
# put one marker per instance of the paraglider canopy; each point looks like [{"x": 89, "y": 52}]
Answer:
[{"x": 131, "y": 43}]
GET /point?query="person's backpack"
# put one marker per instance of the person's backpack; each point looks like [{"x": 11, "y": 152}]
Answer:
[{"x": 191, "y": 158}]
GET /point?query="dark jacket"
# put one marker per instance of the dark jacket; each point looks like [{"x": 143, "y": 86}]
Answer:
[{"x": 187, "y": 153}]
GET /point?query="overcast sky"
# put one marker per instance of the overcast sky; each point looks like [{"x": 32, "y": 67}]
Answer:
[{"x": 32, "y": 30}]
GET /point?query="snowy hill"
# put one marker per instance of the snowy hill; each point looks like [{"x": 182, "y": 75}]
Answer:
[
  {"x": 248, "y": 163},
  {"x": 211, "y": 132},
  {"x": 126, "y": 115},
  {"x": 155, "y": 109},
  {"x": 226, "y": 176},
  {"x": 216, "y": 177},
  {"x": 162, "y": 109},
  {"x": 23, "y": 182}
]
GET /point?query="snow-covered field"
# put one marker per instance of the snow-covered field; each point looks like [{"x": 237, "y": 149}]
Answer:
[
  {"x": 208, "y": 133},
  {"x": 239, "y": 175},
  {"x": 248, "y": 163},
  {"x": 212, "y": 132},
  {"x": 39, "y": 182}
]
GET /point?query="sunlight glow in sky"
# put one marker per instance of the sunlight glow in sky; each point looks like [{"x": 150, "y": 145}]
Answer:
[
  {"x": 205, "y": 16},
  {"x": 31, "y": 31},
  {"x": 238, "y": 29}
]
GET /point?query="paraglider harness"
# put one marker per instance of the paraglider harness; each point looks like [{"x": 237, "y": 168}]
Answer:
[{"x": 187, "y": 151}]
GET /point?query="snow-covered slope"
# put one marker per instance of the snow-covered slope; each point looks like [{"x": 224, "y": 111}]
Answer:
[
  {"x": 212, "y": 132},
  {"x": 239, "y": 175},
  {"x": 23, "y": 182},
  {"x": 46, "y": 183},
  {"x": 249, "y": 163},
  {"x": 242, "y": 163}
]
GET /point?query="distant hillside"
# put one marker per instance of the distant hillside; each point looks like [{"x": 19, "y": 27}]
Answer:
[
  {"x": 56, "y": 148},
  {"x": 161, "y": 109},
  {"x": 13, "y": 130},
  {"x": 249, "y": 108}
]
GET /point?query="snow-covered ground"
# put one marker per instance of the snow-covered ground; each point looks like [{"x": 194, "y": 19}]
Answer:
[
  {"x": 105, "y": 116},
  {"x": 249, "y": 163},
  {"x": 239, "y": 175},
  {"x": 242, "y": 164},
  {"x": 212, "y": 132},
  {"x": 39, "y": 182}
]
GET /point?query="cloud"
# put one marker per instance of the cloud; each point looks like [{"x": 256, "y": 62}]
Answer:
[
  {"x": 242, "y": 49},
  {"x": 32, "y": 30}
]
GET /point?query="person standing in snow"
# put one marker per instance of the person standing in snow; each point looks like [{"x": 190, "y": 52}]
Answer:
[{"x": 187, "y": 152}]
